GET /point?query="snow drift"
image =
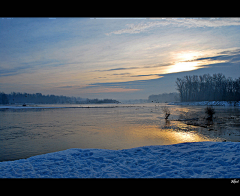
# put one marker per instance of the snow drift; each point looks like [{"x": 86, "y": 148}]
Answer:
[
  {"x": 185, "y": 160},
  {"x": 208, "y": 103}
]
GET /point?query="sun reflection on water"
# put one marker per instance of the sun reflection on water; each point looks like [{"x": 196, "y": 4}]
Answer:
[
  {"x": 166, "y": 135},
  {"x": 185, "y": 137}
]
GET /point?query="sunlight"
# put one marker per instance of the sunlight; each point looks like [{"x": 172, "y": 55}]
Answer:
[
  {"x": 187, "y": 136},
  {"x": 183, "y": 66},
  {"x": 186, "y": 56},
  {"x": 185, "y": 62}
]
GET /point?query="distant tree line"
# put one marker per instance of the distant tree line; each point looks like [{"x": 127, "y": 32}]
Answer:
[
  {"x": 3, "y": 98},
  {"x": 208, "y": 87},
  {"x": 99, "y": 101},
  {"x": 134, "y": 101},
  {"x": 165, "y": 97},
  {"x": 38, "y": 98}
]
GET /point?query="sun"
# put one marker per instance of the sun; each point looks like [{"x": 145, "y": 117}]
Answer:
[
  {"x": 185, "y": 62},
  {"x": 183, "y": 66},
  {"x": 187, "y": 55}
]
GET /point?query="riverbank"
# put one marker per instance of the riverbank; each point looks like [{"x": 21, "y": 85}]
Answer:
[
  {"x": 184, "y": 160},
  {"x": 208, "y": 103}
]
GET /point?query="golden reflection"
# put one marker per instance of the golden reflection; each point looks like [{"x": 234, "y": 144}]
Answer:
[
  {"x": 183, "y": 136},
  {"x": 153, "y": 135},
  {"x": 118, "y": 136}
]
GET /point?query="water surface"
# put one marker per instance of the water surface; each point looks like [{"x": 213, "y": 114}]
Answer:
[{"x": 25, "y": 132}]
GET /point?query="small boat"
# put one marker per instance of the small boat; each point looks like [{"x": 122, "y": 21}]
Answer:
[{"x": 24, "y": 104}]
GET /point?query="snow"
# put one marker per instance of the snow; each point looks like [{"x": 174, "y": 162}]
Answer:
[
  {"x": 209, "y": 103},
  {"x": 26, "y": 107},
  {"x": 57, "y": 106},
  {"x": 184, "y": 160}
]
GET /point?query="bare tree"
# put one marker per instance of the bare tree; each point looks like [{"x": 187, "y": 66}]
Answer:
[
  {"x": 208, "y": 88},
  {"x": 166, "y": 112},
  {"x": 180, "y": 84}
]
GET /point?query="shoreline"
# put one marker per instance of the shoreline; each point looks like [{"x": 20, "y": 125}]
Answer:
[
  {"x": 208, "y": 103},
  {"x": 182, "y": 160}
]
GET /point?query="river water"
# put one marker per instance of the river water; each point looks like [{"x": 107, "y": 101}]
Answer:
[{"x": 39, "y": 129}]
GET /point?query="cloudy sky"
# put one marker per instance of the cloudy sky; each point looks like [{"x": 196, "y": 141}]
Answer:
[{"x": 118, "y": 58}]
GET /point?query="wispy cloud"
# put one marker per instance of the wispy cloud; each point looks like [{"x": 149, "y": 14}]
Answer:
[
  {"x": 113, "y": 90},
  {"x": 65, "y": 87},
  {"x": 106, "y": 88},
  {"x": 147, "y": 75},
  {"x": 117, "y": 69},
  {"x": 230, "y": 56},
  {"x": 179, "y": 22}
]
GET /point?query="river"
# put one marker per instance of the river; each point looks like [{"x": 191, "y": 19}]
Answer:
[{"x": 38, "y": 129}]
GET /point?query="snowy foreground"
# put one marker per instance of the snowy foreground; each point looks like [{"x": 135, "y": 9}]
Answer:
[
  {"x": 185, "y": 160},
  {"x": 209, "y": 103}
]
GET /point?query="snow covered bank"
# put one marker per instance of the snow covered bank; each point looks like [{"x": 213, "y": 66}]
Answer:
[
  {"x": 185, "y": 160},
  {"x": 26, "y": 107},
  {"x": 209, "y": 103}
]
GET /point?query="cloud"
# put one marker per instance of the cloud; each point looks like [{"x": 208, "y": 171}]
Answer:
[
  {"x": 230, "y": 52},
  {"x": 106, "y": 88},
  {"x": 117, "y": 69},
  {"x": 230, "y": 56},
  {"x": 181, "y": 22},
  {"x": 158, "y": 70},
  {"x": 15, "y": 70},
  {"x": 113, "y": 90},
  {"x": 76, "y": 86},
  {"x": 134, "y": 28},
  {"x": 158, "y": 65},
  {"x": 146, "y": 75},
  {"x": 65, "y": 87}
]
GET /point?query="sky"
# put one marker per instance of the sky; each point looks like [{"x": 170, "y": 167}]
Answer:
[{"x": 117, "y": 58}]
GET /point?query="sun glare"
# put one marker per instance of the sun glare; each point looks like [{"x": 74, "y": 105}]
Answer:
[
  {"x": 183, "y": 66},
  {"x": 187, "y": 55},
  {"x": 185, "y": 62}
]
